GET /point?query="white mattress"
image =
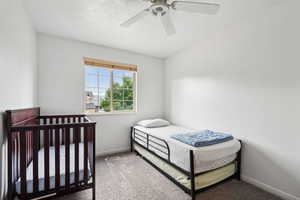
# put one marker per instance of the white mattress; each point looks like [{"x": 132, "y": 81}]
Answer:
[
  {"x": 206, "y": 158},
  {"x": 29, "y": 171}
]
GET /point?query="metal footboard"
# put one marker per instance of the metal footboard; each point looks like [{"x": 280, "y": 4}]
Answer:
[{"x": 150, "y": 141}]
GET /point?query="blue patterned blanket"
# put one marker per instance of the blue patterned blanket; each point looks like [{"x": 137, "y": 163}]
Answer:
[{"x": 203, "y": 138}]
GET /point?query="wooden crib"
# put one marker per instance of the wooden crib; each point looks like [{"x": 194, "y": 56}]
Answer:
[{"x": 49, "y": 155}]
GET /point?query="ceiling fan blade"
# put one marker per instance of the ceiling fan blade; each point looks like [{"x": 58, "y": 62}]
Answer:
[
  {"x": 168, "y": 24},
  {"x": 135, "y": 18},
  {"x": 198, "y": 7}
]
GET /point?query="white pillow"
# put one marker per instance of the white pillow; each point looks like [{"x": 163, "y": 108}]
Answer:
[{"x": 152, "y": 123}]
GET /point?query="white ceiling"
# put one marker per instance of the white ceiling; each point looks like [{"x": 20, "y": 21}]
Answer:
[{"x": 98, "y": 22}]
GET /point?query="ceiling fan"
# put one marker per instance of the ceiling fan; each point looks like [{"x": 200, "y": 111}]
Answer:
[{"x": 161, "y": 8}]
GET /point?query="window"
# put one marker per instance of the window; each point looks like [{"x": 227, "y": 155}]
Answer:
[{"x": 109, "y": 87}]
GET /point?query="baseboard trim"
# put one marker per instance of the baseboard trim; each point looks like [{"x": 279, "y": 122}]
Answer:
[
  {"x": 113, "y": 151},
  {"x": 269, "y": 188}
]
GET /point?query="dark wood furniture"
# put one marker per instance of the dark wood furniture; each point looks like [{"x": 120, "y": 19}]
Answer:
[{"x": 28, "y": 132}]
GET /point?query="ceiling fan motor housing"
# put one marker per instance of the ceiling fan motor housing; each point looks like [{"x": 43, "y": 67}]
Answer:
[{"x": 159, "y": 7}]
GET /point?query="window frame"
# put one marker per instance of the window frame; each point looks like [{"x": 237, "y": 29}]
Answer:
[{"x": 111, "y": 70}]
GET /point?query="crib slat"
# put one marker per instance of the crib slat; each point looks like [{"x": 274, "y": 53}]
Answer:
[
  {"x": 57, "y": 158},
  {"x": 39, "y": 122},
  {"x": 27, "y": 146},
  {"x": 17, "y": 154},
  {"x": 67, "y": 151},
  {"x": 80, "y": 134},
  {"x": 46, "y": 159},
  {"x": 63, "y": 131},
  {"x": 76, "y": 139},
  {"x": 35, "y": 160},
  {"x": 51, "y": 132},
  {"x": 85, "y": 135},
  {"x": 23, "y": 164}
]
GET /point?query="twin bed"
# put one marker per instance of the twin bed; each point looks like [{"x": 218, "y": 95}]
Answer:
[{"x": 193, "y": 169}]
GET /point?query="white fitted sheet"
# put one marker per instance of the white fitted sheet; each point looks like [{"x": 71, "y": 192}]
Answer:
[
  {"x": 206, "y": 158},
  {"x": 29, "y": 171}
]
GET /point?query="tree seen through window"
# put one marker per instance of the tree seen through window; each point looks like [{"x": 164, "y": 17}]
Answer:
[{"x": 109, "y": 90}]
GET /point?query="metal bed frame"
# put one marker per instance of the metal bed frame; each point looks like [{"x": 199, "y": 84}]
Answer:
[{"x": 136, "y": 135}]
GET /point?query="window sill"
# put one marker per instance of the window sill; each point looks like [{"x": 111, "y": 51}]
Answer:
[{"x": 111, "y": 113}]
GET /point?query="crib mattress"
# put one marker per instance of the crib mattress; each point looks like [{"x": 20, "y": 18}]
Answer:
[
  {"x": 52, "y": 168},
  {"x": 206, "y": 158}
]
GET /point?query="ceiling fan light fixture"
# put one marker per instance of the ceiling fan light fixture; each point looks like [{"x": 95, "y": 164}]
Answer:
[{"x": 159, "y": 9}]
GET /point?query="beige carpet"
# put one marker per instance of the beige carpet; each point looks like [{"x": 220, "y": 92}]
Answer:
[{"x": 128, "y": 177}]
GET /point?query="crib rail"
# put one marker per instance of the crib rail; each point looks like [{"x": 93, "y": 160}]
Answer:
[
  {"x": 66, "y": 143},
  {"x": 56, "y": 119}
]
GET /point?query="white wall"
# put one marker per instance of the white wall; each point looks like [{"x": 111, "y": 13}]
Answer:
[
  {"x": 61, "y": 86},
  {"x": 245, "y": 81},
  {"x": 17, "y": 67}
]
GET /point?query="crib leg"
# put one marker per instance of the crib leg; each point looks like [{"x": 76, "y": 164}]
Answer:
[
  {"x": 193, "y": 196},
  {"x": 94, "y": 178},
  {"x": 94, "y": 192}
]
